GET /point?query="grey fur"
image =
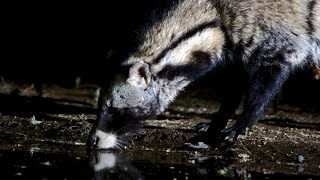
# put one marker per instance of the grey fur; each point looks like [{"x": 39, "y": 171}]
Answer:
[{"x": 196, "y": 36}]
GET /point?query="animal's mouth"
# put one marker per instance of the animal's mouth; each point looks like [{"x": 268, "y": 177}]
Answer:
[{"x": 103, "y": 140}]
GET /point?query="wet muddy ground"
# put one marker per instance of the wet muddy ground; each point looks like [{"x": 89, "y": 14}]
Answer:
[{"x": 43, "y": 137}]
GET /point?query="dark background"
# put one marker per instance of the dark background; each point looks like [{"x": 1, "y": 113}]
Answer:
[{"x": 55, "y": 43}]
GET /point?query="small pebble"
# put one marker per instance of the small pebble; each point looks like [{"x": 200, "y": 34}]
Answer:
[{"x": 300, "y": 158}]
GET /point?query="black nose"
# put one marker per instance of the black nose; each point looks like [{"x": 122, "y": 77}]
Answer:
[{"x": 92, "y": 142}]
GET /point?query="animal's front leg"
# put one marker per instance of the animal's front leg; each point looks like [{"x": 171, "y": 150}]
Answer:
[
  {"x": 265, "y": 82},
  {"x": 230, "y": 103},
  {"x": 210, "y": 132},
  {"x": 233, "y": 81},
  {"x": 232, "y": 91}
]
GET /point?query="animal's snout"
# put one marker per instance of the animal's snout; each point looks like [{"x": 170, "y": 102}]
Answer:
[{"x": 102, "y": 140}]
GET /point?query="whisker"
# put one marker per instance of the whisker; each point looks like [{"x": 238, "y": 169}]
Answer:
[
  {"x": 120, "y": 145},
  {"x": 124, "y": 127},
  {"x": 117, "y": 147},
  {"x": 120, "y": 141}
]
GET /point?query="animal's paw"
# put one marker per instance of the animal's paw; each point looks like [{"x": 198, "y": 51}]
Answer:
[
  {"x": 202, "y": 127},
  {"x": 199, "y": 142},
  {"x": 229, "y": 136},
  {"x": 197, "y": 145}
]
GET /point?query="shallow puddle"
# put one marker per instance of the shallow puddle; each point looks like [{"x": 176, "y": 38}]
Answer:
[
  {"x": 38, "y": 165},
  {"x": 73, "y": 164}
]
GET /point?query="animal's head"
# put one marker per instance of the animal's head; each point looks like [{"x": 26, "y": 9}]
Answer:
[
  {"x": 124, "y": 105},
  {"x": 180, "y": 45}
]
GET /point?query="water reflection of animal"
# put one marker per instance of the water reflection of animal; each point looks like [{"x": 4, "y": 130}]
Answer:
[
  {"x": 139, "y": 165},
  {"x": 263, "y": 41},
  {"x": 112, "y": 165}
]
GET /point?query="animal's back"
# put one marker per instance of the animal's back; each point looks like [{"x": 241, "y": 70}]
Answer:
[{"x": 291, "y": 28}]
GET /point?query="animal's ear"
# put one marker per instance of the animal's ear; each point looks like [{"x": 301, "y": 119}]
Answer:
[{"x": 139, "y": 75}]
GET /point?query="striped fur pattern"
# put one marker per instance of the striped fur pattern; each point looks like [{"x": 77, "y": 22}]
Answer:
[{"x": 269, "y": 39}]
